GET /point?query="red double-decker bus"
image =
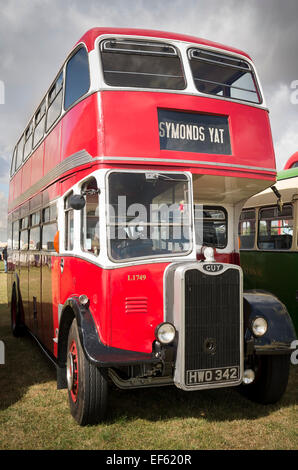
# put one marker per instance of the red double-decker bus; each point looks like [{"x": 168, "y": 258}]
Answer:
[{"x": 125, "y": 194}]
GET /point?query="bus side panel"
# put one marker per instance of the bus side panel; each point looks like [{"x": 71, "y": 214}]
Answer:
[
  {"x": 47, "y": 292},
  {"x": 137, "y": 296},
  {"x": 262, "y": 270},
  {"x": 52, "y": 149},
  {"x": 26, "y": 175},
  {"x": 82, "y": 277},
  {"x": 37, "y": 165},
  {"x": 80, "y": 127},
  {"x": 34, "y": 291},
  {"x": 24, "y": 286}
]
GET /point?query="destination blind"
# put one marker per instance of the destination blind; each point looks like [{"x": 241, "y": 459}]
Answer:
[{"x": 193, "y": 132}]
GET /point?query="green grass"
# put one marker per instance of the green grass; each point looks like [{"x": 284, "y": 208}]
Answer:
[{"x": 34, "y": 415}]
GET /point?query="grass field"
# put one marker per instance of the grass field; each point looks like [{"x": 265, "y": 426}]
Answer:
[{"x": 34, "y": 415}]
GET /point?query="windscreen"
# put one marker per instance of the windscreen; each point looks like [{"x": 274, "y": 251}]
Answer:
[{"x": 149, "y": 215}]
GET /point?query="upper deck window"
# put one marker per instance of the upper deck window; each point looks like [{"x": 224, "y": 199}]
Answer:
[
  {"x": 55, "y": 101},
  {"x": 223, "y": 75},
  {"x": 141, "y": 64},
  {"x": 77, "y": 81}
]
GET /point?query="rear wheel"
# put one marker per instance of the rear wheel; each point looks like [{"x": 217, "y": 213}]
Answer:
[
  {"x": 272, "y": 374},
  {"x": 17, "y": 327},
  {"x": 87, "y": 387}
]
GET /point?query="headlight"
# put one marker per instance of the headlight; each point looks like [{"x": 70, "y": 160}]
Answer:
[
  {"x": 259, "y": 326},
  {"x": 165, "y": 333}
]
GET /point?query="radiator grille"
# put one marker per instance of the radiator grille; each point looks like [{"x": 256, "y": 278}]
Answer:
[{"x": 212, "y": 319}]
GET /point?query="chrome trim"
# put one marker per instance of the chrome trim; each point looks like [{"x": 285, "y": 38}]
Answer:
[
  {"x": 179, "y": 322},
  {"x": 178, "y": 160},
  {"x": 77, "y": 159}
]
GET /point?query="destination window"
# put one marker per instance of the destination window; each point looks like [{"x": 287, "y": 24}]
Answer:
[
  {"x": 275, "y": 228},
  {"x": 141, "y": 64},
  {"x": 223, "y": 75},
  {"x": 247, "y": 229}
]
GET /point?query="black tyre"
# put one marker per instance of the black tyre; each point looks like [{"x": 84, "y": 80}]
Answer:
[
  {"x": 272, "y": 374},
  {"x": 17, "y": 327},
  {"x": 87, "y": 387}
]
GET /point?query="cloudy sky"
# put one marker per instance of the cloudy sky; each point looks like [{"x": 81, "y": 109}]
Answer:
[{"x": 36, "y": 36}]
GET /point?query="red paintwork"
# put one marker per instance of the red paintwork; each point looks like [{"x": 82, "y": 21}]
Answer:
[
  {"x": 131, "y": 129},
  {"x": 293, "y": 159},
  {"x": 125, "y": 124}
]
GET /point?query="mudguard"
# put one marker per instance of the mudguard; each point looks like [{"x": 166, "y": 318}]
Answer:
[{"x": 280, "y": 333}]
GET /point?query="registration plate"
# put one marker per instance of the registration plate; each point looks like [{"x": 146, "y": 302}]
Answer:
[{"x": 218, "y": 375}]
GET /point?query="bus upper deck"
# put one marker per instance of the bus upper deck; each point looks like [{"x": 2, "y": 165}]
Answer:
[{"x": 171, "y": 100}]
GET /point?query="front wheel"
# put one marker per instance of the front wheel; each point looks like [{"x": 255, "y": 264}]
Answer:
[
  {"x": 272, "y": 374},
  {"x": 87, "y": 387}
]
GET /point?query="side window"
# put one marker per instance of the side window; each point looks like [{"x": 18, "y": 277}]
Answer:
[
  {"x": 49, "y": 228},
  {"x": 19, "y": 152},
  {"x": 28, "y": 140},
  {"x": 24, "y": 240},
  {"x": 9, "y": 236},
  {"x": 213, "y": 222},
  {"x": 39, "y": 121},
  {"x": 69, "y": 224},
  {"x": 90, "y": 218},
  {"x": 247, "y": 229},
  {"x": 77, "y": 81},
  {"x": 275, "y": 228},
  {"x": 55, "y": 101},
  {"x": 34, "y": 233},
  {"x": 13, "y": 162},
  {"x": 15, "y": 235}
]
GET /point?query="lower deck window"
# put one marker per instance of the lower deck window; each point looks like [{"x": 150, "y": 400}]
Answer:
[
  {"x": 90, "y": 218},
  {"x": 275, "y": 228}
]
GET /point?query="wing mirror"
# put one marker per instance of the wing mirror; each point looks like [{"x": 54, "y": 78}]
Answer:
[{"x": 77, "y": 202}]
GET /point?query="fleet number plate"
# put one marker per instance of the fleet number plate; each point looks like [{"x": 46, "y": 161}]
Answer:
[{"x": 219, "y": 375}]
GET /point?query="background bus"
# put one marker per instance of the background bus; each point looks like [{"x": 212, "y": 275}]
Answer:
[
  {"x": 135, "y": 165},
  {"x": 268, "y": 241}
]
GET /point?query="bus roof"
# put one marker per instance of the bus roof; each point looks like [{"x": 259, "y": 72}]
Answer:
[
  {"x": 292, "y": 160},
  {"x": 287, "y": 185},
  {"x": 89, "y": 37}
]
